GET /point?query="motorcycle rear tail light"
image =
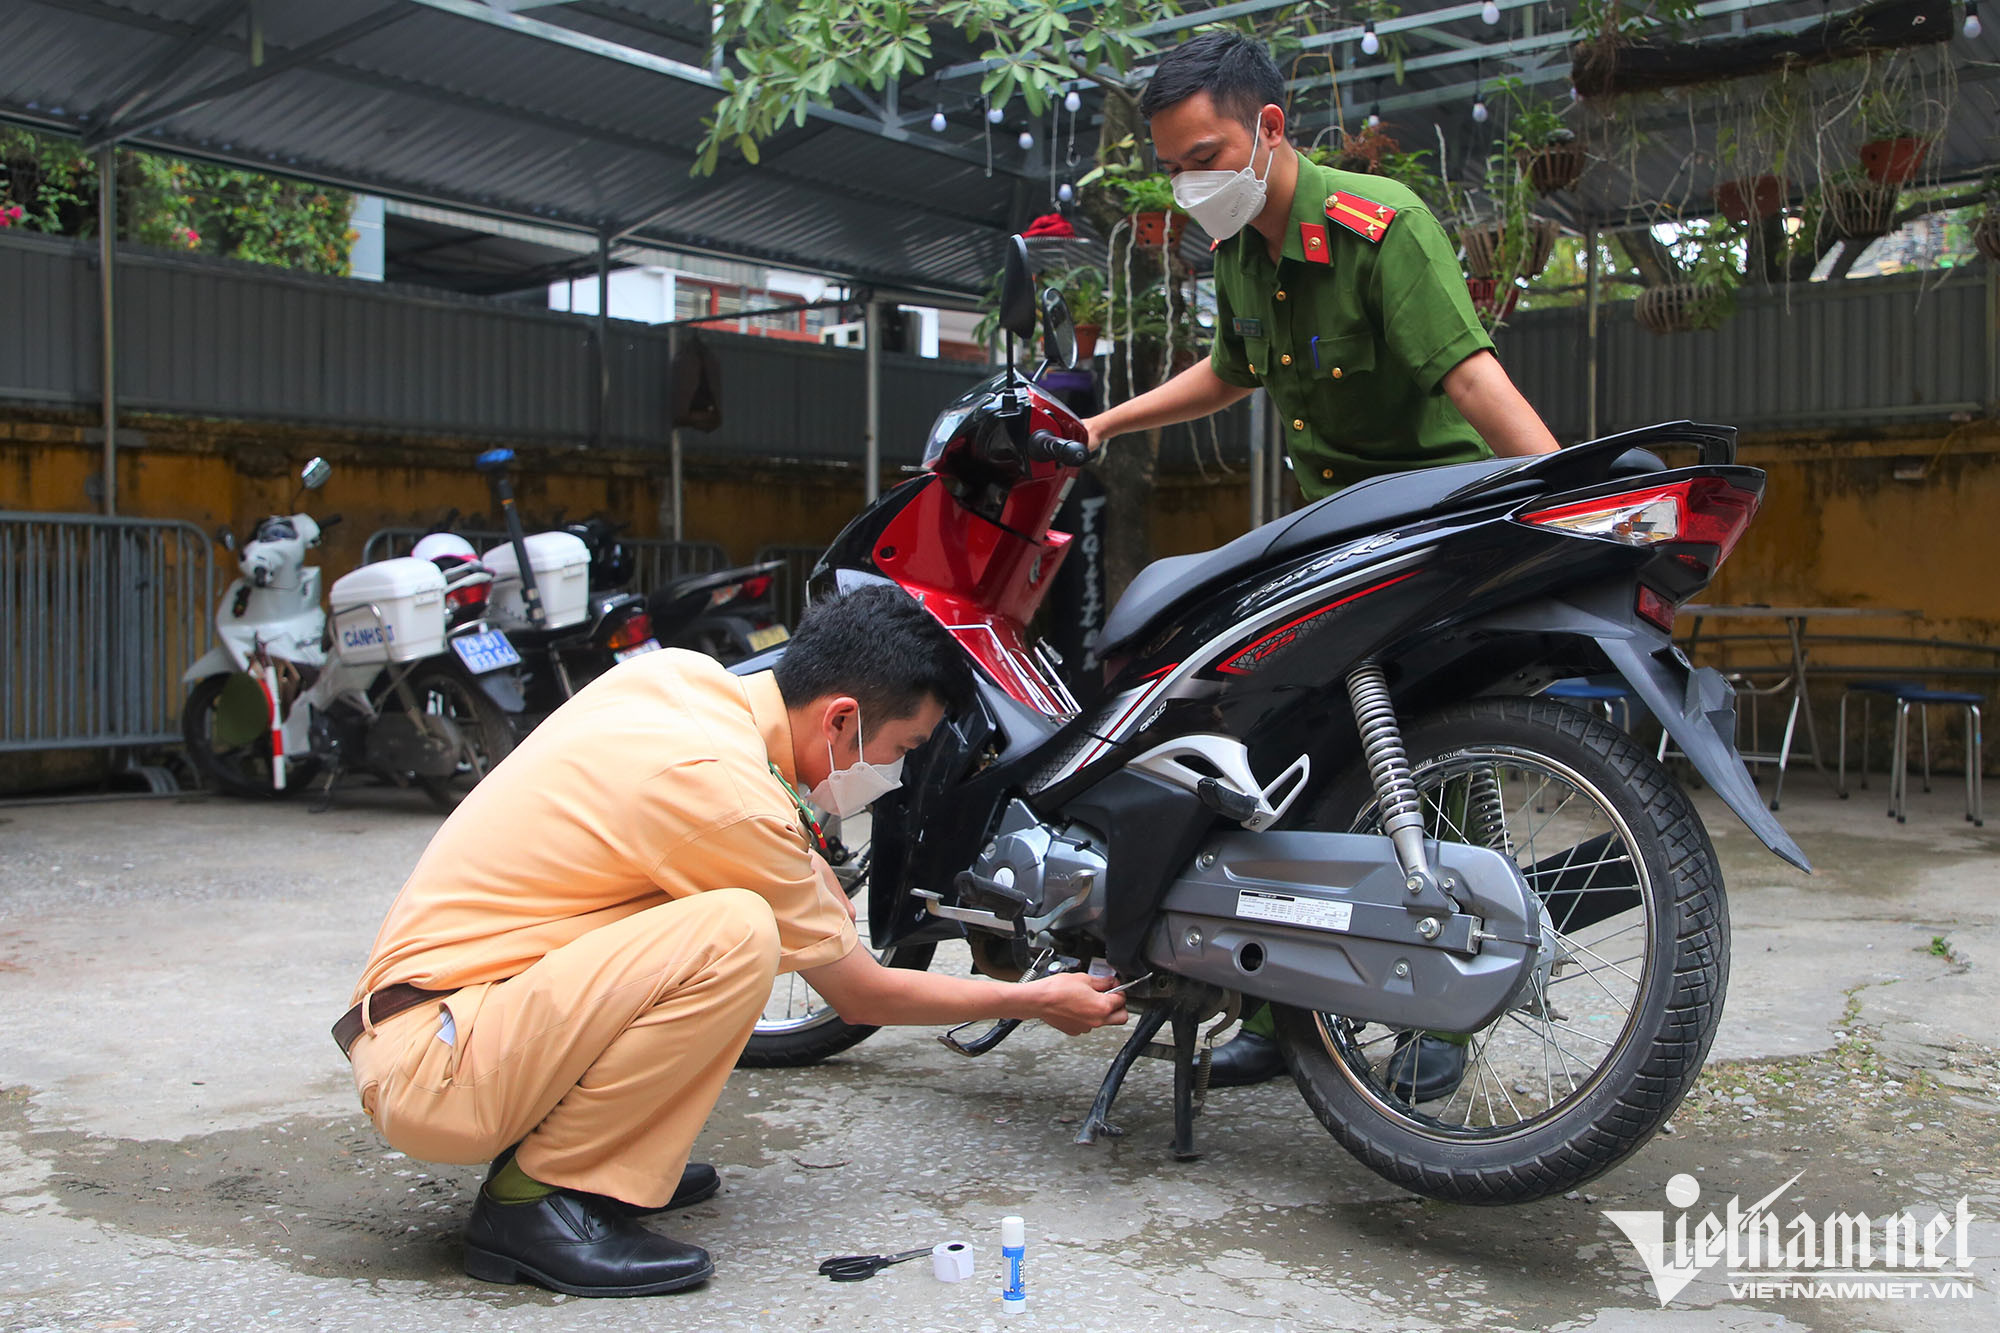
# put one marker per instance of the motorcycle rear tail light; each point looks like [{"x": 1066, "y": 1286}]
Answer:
[
  {"x": 1656, "y": 609},
  {"x": 635, "y": 630},
  {"x": 468, "y": 595},
  {"x": 757, "y": 587},
  {"x": 1705, "y": 511},
  {"x": 727, "y": 592}
]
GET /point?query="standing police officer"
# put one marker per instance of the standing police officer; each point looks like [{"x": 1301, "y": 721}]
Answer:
[{"x": 1341, "y": 296}]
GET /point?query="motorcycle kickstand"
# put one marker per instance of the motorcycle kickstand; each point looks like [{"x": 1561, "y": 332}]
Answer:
[
  {"x": 324, "y": 801},
  {"x": 1114, "y": 1078},
  {"x": 1185, "y": 1086}
]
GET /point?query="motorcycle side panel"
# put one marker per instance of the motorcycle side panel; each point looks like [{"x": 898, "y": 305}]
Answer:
[{"x": 1319, "y": 921}]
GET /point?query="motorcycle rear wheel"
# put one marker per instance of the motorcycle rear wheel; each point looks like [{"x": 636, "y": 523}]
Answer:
[
  {"x": 1600, "y": 1049},
  {"x": 798, "y": 1026},
  {"x": 488, "y": 735},
  {"x": 226, "y": 725}
]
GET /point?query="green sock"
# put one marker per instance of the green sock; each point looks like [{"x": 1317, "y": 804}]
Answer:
[
  {"x": 510, "y": 1184},
  {"x": 1261, "y": 1022}
]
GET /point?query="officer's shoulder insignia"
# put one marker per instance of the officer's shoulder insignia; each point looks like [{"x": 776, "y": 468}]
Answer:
[
  {"x": 1212, "y": 245},
  {"x": 1363, "y": 217}
]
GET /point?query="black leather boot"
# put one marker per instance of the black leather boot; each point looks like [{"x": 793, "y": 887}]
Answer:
[
  {"x": 574, "y": 1243},
  {"x": 1426, "y": 1069},
  {"x": 1244, "y": 1059}
]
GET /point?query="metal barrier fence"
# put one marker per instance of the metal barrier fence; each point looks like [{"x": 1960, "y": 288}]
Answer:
[
  {"x": 99, "y": 616},
  {"x": 655, "y": 560},
  {"x": 789, "y": 593}
]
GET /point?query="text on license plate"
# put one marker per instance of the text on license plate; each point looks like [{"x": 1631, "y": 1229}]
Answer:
[
  {"x": 488, "y": 651},
  {"x": 770, "y": 634},
  {"x": 645, "y": 646}
]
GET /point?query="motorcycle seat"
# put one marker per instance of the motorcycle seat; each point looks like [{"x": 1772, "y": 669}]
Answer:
[{"x": 1368, "y": 506}]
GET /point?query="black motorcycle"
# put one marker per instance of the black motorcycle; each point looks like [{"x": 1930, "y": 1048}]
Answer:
[{"x": 1315, "y": 773}]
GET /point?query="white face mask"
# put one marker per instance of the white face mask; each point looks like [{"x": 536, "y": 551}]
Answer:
[
  {"x": 849, "y": 791},
  {"x": 1224, "y": 201}
]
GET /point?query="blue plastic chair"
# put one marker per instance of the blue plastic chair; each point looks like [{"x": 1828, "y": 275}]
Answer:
[{"x": 1904, "y": 693}]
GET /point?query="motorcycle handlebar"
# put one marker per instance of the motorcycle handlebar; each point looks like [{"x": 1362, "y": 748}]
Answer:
[
  {"x": 329, "y": 521},
  {"x": 1047, "y": 446}
]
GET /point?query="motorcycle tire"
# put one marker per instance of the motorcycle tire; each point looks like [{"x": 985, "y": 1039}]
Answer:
[
  {"x": 235, "y": 756},
  {"x": 794, "y": 1041},
  {"x": 479, "y": 720},
  {"x": 1577, "y": 1074}
]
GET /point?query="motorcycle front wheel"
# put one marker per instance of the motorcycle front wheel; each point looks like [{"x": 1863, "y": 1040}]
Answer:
[
  {"x": 798, "y": 1027},
  {"x": 226, "y": 724},
  {"x": 1611, "y": 1030}
]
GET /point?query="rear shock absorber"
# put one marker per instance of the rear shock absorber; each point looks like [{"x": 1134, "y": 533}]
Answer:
[{"x": 1389, "y": 769}]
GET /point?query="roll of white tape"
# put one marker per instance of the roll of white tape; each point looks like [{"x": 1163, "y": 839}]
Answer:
[{"x": 951, "y": 1261}]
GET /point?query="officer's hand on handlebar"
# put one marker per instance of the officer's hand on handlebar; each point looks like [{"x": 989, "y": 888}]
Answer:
[{"x": 1047, "y": 446}]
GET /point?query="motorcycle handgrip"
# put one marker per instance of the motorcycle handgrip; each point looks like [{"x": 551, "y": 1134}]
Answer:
[
  {"x": 328, "y": 521},
  {"x": 1048, "y": 446}
]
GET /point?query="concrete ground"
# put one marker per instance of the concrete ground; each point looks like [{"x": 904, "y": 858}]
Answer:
[{"x": 180, "y": 1146}]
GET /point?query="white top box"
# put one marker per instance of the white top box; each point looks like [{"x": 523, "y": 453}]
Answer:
[
  {"x": 390, "y": 611},
  {"x": 562, "y": 578}
]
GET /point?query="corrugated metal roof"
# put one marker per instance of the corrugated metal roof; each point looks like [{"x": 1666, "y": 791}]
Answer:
[{"x": 449, "y": 108}]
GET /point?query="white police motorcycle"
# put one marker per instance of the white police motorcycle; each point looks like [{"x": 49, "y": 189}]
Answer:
[{"x": 385, "y": 687}]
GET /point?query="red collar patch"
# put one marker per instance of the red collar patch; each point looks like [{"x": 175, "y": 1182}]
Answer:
[
  {"x": 1363, "y": 217},
  {"x": 1313, "y": 240}
]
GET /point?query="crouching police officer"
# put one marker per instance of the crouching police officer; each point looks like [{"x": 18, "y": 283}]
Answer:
[
  {"x": 570, "y": 973},
  {"x": 1341, "y": 296}
]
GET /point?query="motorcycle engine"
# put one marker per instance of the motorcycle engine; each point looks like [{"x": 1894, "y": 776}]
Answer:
[{"x": 1053, "y": 877}]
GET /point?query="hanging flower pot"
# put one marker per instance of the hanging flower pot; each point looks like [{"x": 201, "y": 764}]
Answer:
[
  {"x": 1986, "y": 233},
  {"x": 1150, "y": 231},
  {"x": 1482, "y": 250},
  {"x": 1741, "y": 200},
  {"x": 1681, "y": 307},
  {"x": 1542, "y": 234},
  {"x": 1485, "y": 243},
  {"x": 1553, "y": 166},
  {"x": 1860, "y": 210},
  {"x": 1086, "y": 341},
  {"x": 1488, "y": 299},
  {"x": 1894, "y": 161}
]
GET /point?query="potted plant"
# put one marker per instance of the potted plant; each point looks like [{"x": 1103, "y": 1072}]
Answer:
[
  {"x": 1986, "y": 231},
  {"x": 1753, "y": 197},
  {"x": 1149, "y": 201},
  {"x": 1857, "y": 207},
  {"x": 1703, "y": 299},
  {"x": 1082, "y": 291},
  {"x": 1547, "y": 151}
]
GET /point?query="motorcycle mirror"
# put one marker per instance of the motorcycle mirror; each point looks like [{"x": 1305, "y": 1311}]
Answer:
[
  {"x": 315, "y": 474},
  {"x": 1017, "y": 291},
  {"x": 1058, "y": 331},
  {"x": 226, "y": 538}
]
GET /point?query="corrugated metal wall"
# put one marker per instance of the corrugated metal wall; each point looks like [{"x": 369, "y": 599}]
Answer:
[
  {"x": 1880, "y": 350},
  {"x": 214, "y": 338}
]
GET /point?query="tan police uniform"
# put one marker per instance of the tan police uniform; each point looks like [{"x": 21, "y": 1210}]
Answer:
[
  {"x": 607, "y": 910},
  {"x": 1352, "y": 331}
]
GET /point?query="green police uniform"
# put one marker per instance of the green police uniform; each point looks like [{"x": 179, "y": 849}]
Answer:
[{"x": 1352, "y": 331}]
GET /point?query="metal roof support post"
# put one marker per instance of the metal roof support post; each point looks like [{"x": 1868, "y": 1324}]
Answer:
[
  {"x": 872, "y": 463},
  {"x": 107, "y": 263},
  {"x": 1259, "y": 430},
  {"x": 675, "y": 529},
  {"x": 1590, "y": 330},
  {"x": 603, "y": 337}
]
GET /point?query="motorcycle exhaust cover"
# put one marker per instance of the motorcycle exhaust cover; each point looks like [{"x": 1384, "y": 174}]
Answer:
[{"x": 1324, "y": 921}]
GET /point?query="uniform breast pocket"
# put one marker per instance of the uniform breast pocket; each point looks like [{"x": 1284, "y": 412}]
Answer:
[{"x": 1339, "y": 359}]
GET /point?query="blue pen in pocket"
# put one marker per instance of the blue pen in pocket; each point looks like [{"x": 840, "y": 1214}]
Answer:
[{"x": 1315, "y": 351}]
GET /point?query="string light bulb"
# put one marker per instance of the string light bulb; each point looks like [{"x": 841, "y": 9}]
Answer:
[
  {"x": 937, "y": 120},
  {"x": 1489, "y": 13},
  {"x": 1972, "y": 27},
  {"x": 1072, "y": 103},
  {"x": 994, "y": 115},
  {"x": 1375, "y": 116},
  {"x": 1370, "y": 43},
  {"x": 1479, "y": 107},
  {"x": 1065, "y": 192},
  {"x": 1027, "y": 140}
]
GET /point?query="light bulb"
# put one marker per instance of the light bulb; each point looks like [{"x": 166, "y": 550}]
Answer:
[
  {"x": 1574, "y": 95},
  {"x": 1065, "y": 192},
  {"x": 1489, "y": 13},
  {"x": 1027, "y": 141},
  {"x": 1972, "y": 27},
  {"x": 937, "y": 120},
  {"x": 1071, "y": 102},
  {"x": 994, "y": 115},
  {"x": 1370, "y": 43},
  {"x": 1479, "y": 109},
  {"x": 1374, "y": 118}
]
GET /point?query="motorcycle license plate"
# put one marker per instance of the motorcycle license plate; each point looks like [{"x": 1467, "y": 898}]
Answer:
[
  {"x": 485, "y": 651},
  {"x": 770, "y": 634},
  {"x": 639, "y": 650}
]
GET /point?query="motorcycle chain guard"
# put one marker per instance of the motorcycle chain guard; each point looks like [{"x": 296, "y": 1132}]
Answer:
[
  {"x": 1325, "y": 921},
  {"x": 396, "y": 744}
]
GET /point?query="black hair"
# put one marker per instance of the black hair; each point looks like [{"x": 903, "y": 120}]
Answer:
[
  {"x": 878, "y": 644},
  {"x": 1238, "y": 75}
]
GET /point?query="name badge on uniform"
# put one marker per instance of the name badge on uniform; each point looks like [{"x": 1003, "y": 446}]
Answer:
[{"x": 1247, "y": 328}]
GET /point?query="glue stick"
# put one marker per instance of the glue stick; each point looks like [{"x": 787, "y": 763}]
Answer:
[{"x": 1013, "y": 1244}]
